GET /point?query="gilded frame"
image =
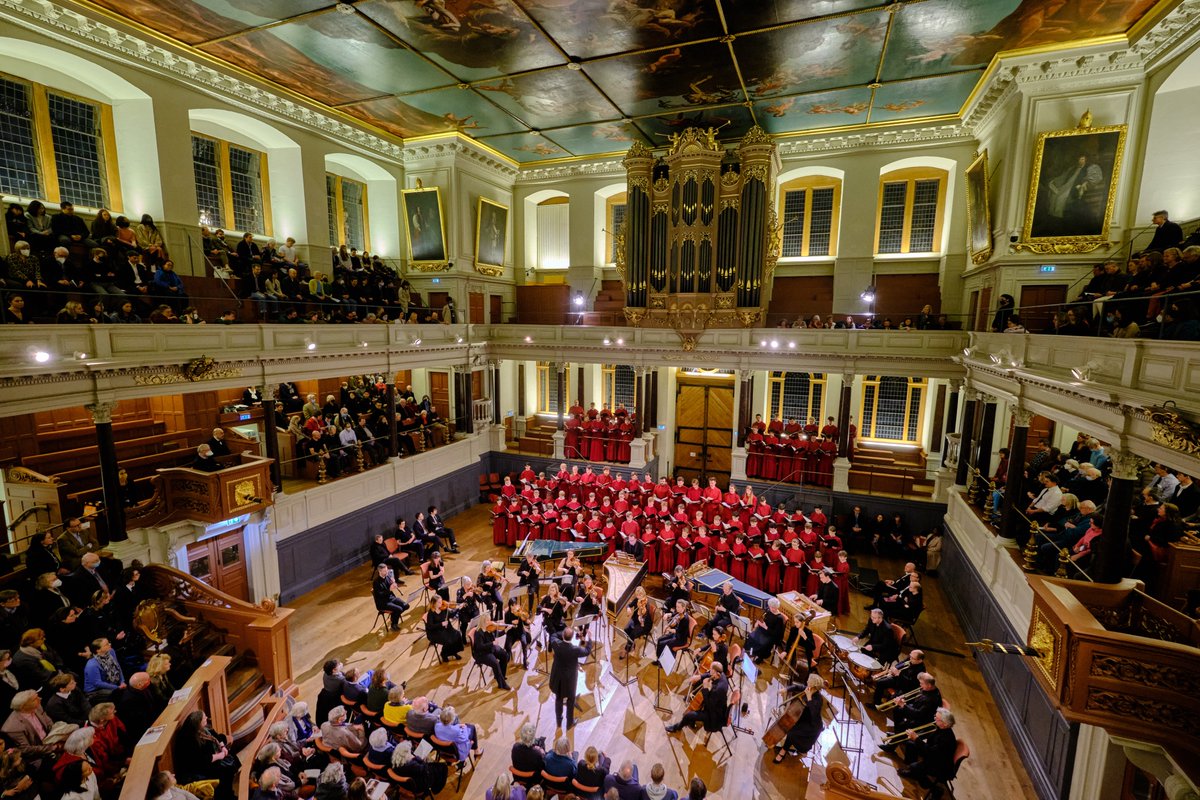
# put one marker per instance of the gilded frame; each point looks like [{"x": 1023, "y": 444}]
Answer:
[
  {"x": 979, "y": 210},
  {"x": 417, "y": 205},
  {"x": 1082, "y": 225},
  {"x": 487, "y": 262}
]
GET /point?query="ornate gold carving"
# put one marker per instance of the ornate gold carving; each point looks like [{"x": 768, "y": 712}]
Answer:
[
  {"x": 634, "y": 316},
  {"x": 198, "y": 368},
  {"x": 619, "y": 241},
  {"x": 730, "y": 177},
  {"x": 489, "y": 270},
  {"x": 1156, "y": 627},
  {"x": 1169, "y": 428},
  {"x": 428, "y": 266},
  {"x": 978, "y": 187},
  {"x": 688, "y": 341},
  {"x": 755, "y": 136},
  {"x": 732, "y": 203},
  {"x": 749, "y": 318},
  {"x": 756, "y": 172},
  {"x": 639, "y": 182},
  {"x": 1045, "y": 639},
  {"x": 1155, "y": 675},
  {"x": 661, "y": 185},
  {"x": 1060, "y": 246},
  {"x": 637, "y": 151},
  {"x": 658, "y": 301},
  {"x": 166, "y": 378},
  {"x": 725, "y": 301},
  {"x": 659, "y": 208},
  {"x": 244, "y": 493},
  {"x": 1147, "y": 711},
  {"x": 26, "y": 475}
]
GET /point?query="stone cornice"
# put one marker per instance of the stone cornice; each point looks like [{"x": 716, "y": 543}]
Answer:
[
  {"x": 882, "y": 137},
  {"x": 416, "y": 154},
  {"x": 1175, "y": 33},
  {"x": 572, "y": 169}
]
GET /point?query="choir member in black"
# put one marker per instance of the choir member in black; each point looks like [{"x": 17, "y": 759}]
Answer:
[
  {"x": 570, "y": 568},
  {"x": 440, "y": 631},
  {"x": 827, "y": 593},
  {"x": 564, "y": 675},
  {"x": 677, "y": 630},
  {"x": 553, "y": 609},
  {"x": 517, "y": 621},
  {"x": 807, "y": 729},
  {"x": 918, "y": 711},
  {"x": 469, "y": 603},
  {"x": 528, "y": 575},
  {"x": 888, "y": 589},
  {"x": 878, "y": 640},
  {"x": 767, "y": 633},
  {"x": 906, "y": 605},
  {"x": 678, "y": 587},
  {"x": 641, "y": 619},
  {"x": 714, "y": 711},
  {"x": 800, "y": 645},
  {"x": 901, "y": 678},
  {"x": 381, "y": 555},
  {"x": 931, "y": 757},
  {"x": 435, "y": 576},
  {"x": 407, "y": 540},
  {"x": 388, "y": 595},
  {"x": 485, "y": 650},
  {"x": 728, "y": 604}
]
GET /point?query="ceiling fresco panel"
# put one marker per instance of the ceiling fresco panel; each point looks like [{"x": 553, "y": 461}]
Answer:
[
  {"x": 473, "y": 39},
  {"x": 812, "y": 57},
  {"x": 525, "y": 147},
  {"x": 782, "y": 115},
  {"x": 195, "y": 21},
  {"x": 745, "y": 15},
  {"x": 594, "y": 140},
  {"x": 398, "y": 118},
  {"x": 676, "y": 78},
  {"x": 733, "y": 121},
  {"x": 590, "y": 28},
  {"x": 549, "y": 98},
  {"x": 927, "y": 97},
  {"x": 465, "y": 111}
]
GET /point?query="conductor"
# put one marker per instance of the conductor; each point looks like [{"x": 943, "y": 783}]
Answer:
[{"x": 564, "y": 674}]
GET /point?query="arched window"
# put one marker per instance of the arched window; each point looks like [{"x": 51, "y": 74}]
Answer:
[
  {"x": 548, "y": 401},
  {"x": 892, "y": 408},
  {"x": 811, "y": 207},
  {"x": 797, "y": 395},
  {"x": 911, "y": 211},
  {"x": 56, "y": 146},
  {"x": 614, "y": 219},
  {"x": 346, "y": 206},
  {"x": 554, "y": 233},
  {"x": 232, "y": 191},
  {"x": 619, "y": 386}
]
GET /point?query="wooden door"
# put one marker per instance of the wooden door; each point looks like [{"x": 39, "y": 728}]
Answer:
[
  {"x": 983, "y": 318},
  {"x": 439, "y": 392},
  {"x": 1039, "y": 428},
  {"x": 969, "y": 324},
  {"x": 475, "y": 306},
  {"x": 1038, "y": 304},
  {"x": 703, "y": 431},
  {"x": 221, "y": 563},
  {"x": 496, "y": 309}
]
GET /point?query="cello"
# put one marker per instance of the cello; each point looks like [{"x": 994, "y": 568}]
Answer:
[{"x": 793, "y": 708}]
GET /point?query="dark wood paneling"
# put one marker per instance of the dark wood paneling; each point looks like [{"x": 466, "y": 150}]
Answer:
[
  {"x": 475, "y": 306},
  {"x": 495, "y": 309},
  {"x": 800, "y": 297},
  {"x": 1037, "y": 305},
  {"x": 900, "y": 296},
  {"x": 439, "y": 391},
  {"x": 543, "y": 305}
]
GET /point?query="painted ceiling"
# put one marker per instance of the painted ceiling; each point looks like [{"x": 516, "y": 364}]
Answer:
[{"x": 547, "y": 79}]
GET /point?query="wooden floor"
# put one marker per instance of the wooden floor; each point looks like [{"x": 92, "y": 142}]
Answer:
[{"x": 335, "y": 620}]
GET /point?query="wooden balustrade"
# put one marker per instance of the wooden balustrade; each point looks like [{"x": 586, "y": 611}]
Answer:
[{"x": 275, "y": 709}]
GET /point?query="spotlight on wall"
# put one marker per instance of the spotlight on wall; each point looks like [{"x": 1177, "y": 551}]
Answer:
[
  {"x": 309, "y": 344},
  {"x": 415, "y": 341},
  {"x": 607, "y": 341},
  {"x": 620, "y": 341},
  {"x": 528, "y": 340},
  {"x": 868, "y": 294},
  {"x": 791, "y": 345},
  {"x": 774, "y": 344},
  {"x": 762, "y": 342},
  {"x": 458, "y": 340},
  {"x": 40, "y": 356},
  {"x": 80, "y": 355},
  {"x": 1086, "y": 372},
  {"x": 577, "y": 300}
]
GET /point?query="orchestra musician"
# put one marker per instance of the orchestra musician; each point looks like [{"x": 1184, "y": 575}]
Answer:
[
  {"x": 678, "y": 587},
  {"x": 590, "y": 599},
  {"x": 931, "y": 757},
  {"x": 388, "y": 595},
  {"x": 807, "y": 729},
  {"x": 440, "y": 630},
  {"x": 435, "y": 576},
  {"x": 713, "y": 710},
  {"x": 490, "y": 581},
  {"x": 570, "y": 568},
  {"x": 888, "y": 590},
  {"x": 767, "y": 633},
  {"x": 678, "y": 630},
  {"x": 878, "y": 639},
  {"x": 407, "y": 540},
  {"x": 517, "y": 620},
  {"x": 728, "y": 604},
  {"x": 528, "y": 575},
  {"x": 485, "y": 651},
  {"x": 641, "y": 621},
  {"x": 918, "y": 711},
  {"x": 435, "y": 525},
  {"x": 802, "y": 641},
  {"x": 467, "y": 599},
  {"x": 826, "y": 595},
  {"x": 900, "y": 678},
  {"x": 717, "y": 650},
  {"x": 564, "y": 674},
  {"x": 553, "y": 609}
]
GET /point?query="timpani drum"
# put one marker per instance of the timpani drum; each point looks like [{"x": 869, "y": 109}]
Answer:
[
  {"x": 863, "y": 666},
  {"x": 843, "y": 644}
]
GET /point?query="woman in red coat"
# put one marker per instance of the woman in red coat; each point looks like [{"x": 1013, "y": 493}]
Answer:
[
  {"x": 773, "y": 579},
  {"x": 841, "y": 576},
  {"x": 791, "y": 571}
]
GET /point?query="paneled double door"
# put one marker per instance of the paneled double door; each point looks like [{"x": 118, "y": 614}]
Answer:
[{"x": 703, "y": 431}]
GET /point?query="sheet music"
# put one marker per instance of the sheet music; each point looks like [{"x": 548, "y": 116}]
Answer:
[{"x": 667, "y": 659}]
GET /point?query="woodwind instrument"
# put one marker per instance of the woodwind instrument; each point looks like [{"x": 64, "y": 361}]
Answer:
[
  {"x": 890, "y": 704},
  {"x": 900, "y": 736}
]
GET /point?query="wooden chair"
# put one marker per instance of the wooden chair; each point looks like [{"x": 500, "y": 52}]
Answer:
[
  {"x": 377, "y": 770},
  {"x": 331, "y": 753},
  {"x": 413, "y": 736},
  {"x": 685, "y": 648},
  {"x": 448, "y": 752},
  {"x": 589, "y": 792},
  {"x": 370, "y": 717},
  {"x": 401, "y": 784},
  {"x": 526, "y": 779},
  {"x": 554, "y": 785},
  {"x": 961, "y": 753},
  {"x": 899, "y": 633},
  {"x": 354, "y": 761}
]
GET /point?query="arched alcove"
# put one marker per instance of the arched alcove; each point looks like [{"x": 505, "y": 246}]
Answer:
[
  {"x": 1171, "y": 170},
  {"x": 604, "y": 201},
  {"x": 383, "y": 212},
  {"x": 532, "y": 205}
]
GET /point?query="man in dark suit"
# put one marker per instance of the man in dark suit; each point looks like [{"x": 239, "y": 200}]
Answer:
[
  {"x": 564, "y": 674},
  {"x": 77, "y": 539},
  {"x": 136, "y": 707},
  {"x": 1186, "y": 496},
  {"x": 204, "y": 461},
  {"x": 728, "y": 604},
  {"x": 434, "y": 524},
  {"x": 86, "y": 581},
  {"x": 931, "y": 757},
  {"x": 715, "y": 709},
  {"x": 425, "y": 535},
  {"x": 1167, "y": 234},
  {"x": 218, "y": 444},
  {"x": 386, "y": 599}
]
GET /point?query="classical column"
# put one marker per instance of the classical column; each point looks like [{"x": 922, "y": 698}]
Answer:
[
  {"x": 466, "y": 401},
  {"x": 560, "y": 369},
  {"x": 390, "y": 405},
  {"x": 639, "y": 391},
  {"x": 114, "y": 505},
  {"x": 582, "y": 400},
  {"x": 843, "y": 418},
  {"x": 745, "y": 404},
  {"x": 951, "y": 415},
  {"x": 1012, "y": 524},
  {"x": 1112, "y": 550},
  {"x": 983, "y": 449},
  {"x": 495, "y": 386},
  {"x": 652, "y": 410},
  {"x": 271, "y": 433},
  {"x": 967, "y": 441}
]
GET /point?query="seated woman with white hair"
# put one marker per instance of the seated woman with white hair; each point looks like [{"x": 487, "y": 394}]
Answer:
[
  {"x": 419, "y": 776},
  {"x": 464, "y": 737},
  {"x": 332, "y": 784},
  {"x": 271, "y": 755},
  {"x": 75, "y": 749},
  {"x": 301, "y": 729},
  {"x": 380, "y": 746}
]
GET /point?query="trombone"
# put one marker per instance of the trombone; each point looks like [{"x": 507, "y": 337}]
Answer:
[
  {"x": 890, "y": 704},
  {"x": 900, "y": 736}
]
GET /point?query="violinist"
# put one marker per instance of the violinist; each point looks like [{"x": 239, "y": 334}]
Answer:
[
  {"x": 641, "y": 621},
  {"x": 807, "y": 729},
  {"x": 490, "y": 581},
  {"x": 388, "y": 596},
  {"x": 570, "y": 568},
  {"x": 440, "y": 631},
  {"x": 678, "y": 587},
  {"x": 435, "y": 576},
  {"x": 713, "y": 710},
  {"x": 587, "y": 602},
  {"x": 728, "y": 604},
  {"x": 518, "y": 631},
  {"x": 767, "y": 633},
  {"x": 678, "y": 630},
  {"x": 528, "y": 574},
  {"x": 468, "y": 600},
  {"x": 485, "y": 651},
  {"x": 553, "y": 609}
]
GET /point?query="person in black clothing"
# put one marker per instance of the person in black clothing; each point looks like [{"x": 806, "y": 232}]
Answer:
[
  {"x": 801, "y": 644},
  {"x": 918, "y": 711},
  {"x": 407, "y": 540},
  {"x": 440, "y": 630},
  {"x": 435, "y": 576},
  {"x": 889, "y": 589},
  {"x": 485, "y": 651},
  {"x": 428, "y": 538},
  {"x": 1005, "y": 308},
  {"x": 767, "y": 633},
  {"x": 527, "y": 755},
  {"x": 518, "y": 630},
  {"x": 564, "y": 674},
  {"x": 381, "y": 555},
  {"x": 204, "y": 459},
  {"x": 641, "y": 620},
  {"x": 70, "y": 229},
  {"x": 528, "y": 574},
  {"x": 827, "y": 592},
  {"x": 41, "y": 556},
  {"x": 202, "y": 754},
  {"x": 468, "y": 600},
  {"x": 715, "y": 709},
  {"x": 553, "y": 609},
  {"x": 901, "y": 678},
  {"x": 1168, "y": 234},
  {"x": 807, "y": 729},
  {"x": 931, "y": 757},
  {"x": 386, "y": 592},
  {"x": 433, "y": 523},
  {"x": 727, "y": 605},
  {"x": 878, "y": 639},
  {"x": 678, "y": 587},
  {"x": 678, "y": 627},
  {"x": 907, "y": 605}
]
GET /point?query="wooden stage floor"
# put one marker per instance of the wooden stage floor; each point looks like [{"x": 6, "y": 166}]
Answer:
[{"x": 334, "y": 622}]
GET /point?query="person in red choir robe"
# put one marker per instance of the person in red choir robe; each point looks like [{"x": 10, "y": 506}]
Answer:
[
  {"x": 681, "y": 514},
  {"x": 591, "y": 504},
  {"x": 828, "y": 456},
  {"x": 606, "y": 508},
  {"x": 619, "y": 483},
  {"x": 576, "y": 410},
  {"x": 830, "y": 431},
  {"x": 809, "y": 540},
  {"x": 621, "y": 504},
  {"x": 621, "y": 411},
  {"x": 594, "y": 526},
  {"x": 666, "y": 547},
  {"x": 608, "y": 535},
  {"x": 683, "y": 548},
  {"x": 574, "y": 482},
  {"x": 701, "y": 543},
  {"x": 694, "y": 494},
  {"x": 779, "y": 516},
  {"x": 730, "y": 503},
  {"x": 523, "y": 522},
  {"x": 773, "y": 577},
  {"x": 527, "y": 474},
  {"x": 793, "y": 427},
  {"x": 772, "y": 534},
  {"x": 598, "y": 441},
  {"x": 572, "y": 431},
  {"x": 662, "y": 489},
  {"x": 758, "y": 424},
  {"x": 819, "y": 520},
  {"x": 612, "y": 439},
  {"x": 592, "y": 412},
  {"x": 850, "y": 437},
  {"x": 770, "y": 457},
  {"x": 775, "y": 426},
  {"x": 649, "y": 539},
  {"x": 563, "y": 473},
  {"x": 711, "y": 495},
  {"x": 754, "y": 454},
  {"x": 579, "y": 530},
  {"x": 625, "y": 437},
  {"x": 762, "y": 511},
  {"x": 794, "y": 556},
  {"x": 810, "y": 428},
  {"x": 841, "y": 576},
  {"x": 719, "y": 548},
  {"x": 585, "y": 439},
  {"x": 605, "y": 412},
  {"x": 508, "y": 490},
  {"x": 536, "y": 522},
  {"x": 755, "y": 564},
  {"x": 528, "y": 493},
  {"x": 630, "y": 531},
  {"x": 562, "y": 531},
  {"x": 812, "y": 469},
  {"x": 605, "y": 477},
  {"x": 738, "y": 557},
  {"x": 749, "y": 502},
  {"x": 549, "y": 521},
  {"x": 499, "y": 521},
  {"x": 513, "y": 528},
  {"x": 588, "y": 479},
  {"x": 816, "y": 565},
  {"x": 799, "y": 450},
  {"x": 831, "y": 543}
]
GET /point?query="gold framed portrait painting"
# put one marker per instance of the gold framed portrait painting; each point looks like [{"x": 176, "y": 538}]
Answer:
[
  {"x": 1072, "y": 188},
  {"x": 426, "y": 230},
  {"x": 491, "y": 236},
  {"x": 979, "y": 211}
]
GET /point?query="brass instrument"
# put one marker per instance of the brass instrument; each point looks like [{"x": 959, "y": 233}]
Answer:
[
  {"x": 901, "y": 736},
  {"x": 890, "y": 704},
  {"x": 887, "y": 671}
]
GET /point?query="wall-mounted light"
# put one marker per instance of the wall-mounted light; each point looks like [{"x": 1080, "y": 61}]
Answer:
[
  {"x": 40, "y": 356},
  {"x": 620, "y": 341},
  {"x": 774, "y": 344},
  {"x": 578, "y": 299},
  {"x": 309, "y": 344},
  {"x": 868, "y": 294},
  {"x": 528, "y": 340},
  {"x": 1085, "y": 372},
  {"x": 607, "y": 341},
  {"x": 791, "y": 345}
]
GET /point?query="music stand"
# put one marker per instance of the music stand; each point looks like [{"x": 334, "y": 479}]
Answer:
[
  {"x": 745, "y": 668},
  {"x": 666, "y": 664},
  {"x": 742, "y": 626},
  {"x": 621, "y": 638}
]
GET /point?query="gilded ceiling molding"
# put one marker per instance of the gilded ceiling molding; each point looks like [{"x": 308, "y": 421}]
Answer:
[
  {"x": 871, "y": 138},
  {"x": 415, "y": 153},
  {"x": 77, "y": 30},
  {"x": 591, "y": 169}
]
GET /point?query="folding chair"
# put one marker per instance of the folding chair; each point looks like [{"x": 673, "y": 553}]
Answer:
[
  {"x": 735, "y": 700},
  {"x": 448, "y": 752}
]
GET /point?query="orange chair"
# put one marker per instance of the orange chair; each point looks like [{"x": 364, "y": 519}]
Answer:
[
  {"x": 319, "y": 743},
  {"x": 413, "y": 736},
  {"x": 354, "y": 761},
  {"x": 448, "y": 752},
  {"x": 961, "y": 753},
  {"x": 526, "y": 779},
  {"x": 584, "y": 790},
  {"x": 400, "y": 784},
  {"x": 554, "y": 785}
]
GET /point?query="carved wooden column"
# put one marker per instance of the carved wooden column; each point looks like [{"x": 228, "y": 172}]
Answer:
[
  {"x": 1012, "y": 524},
  {"x": 951, "y": 415},
  {"x": 495, "y": 378},
  {"x": 114, "y": 504},
  {"x": 271, "y": 433},
  {"x": 983, "y": 447},
  {"x": 1112, "y": 548},
  {"x": 967, "y": 441},
  {"x": 466, "y": 407}
]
